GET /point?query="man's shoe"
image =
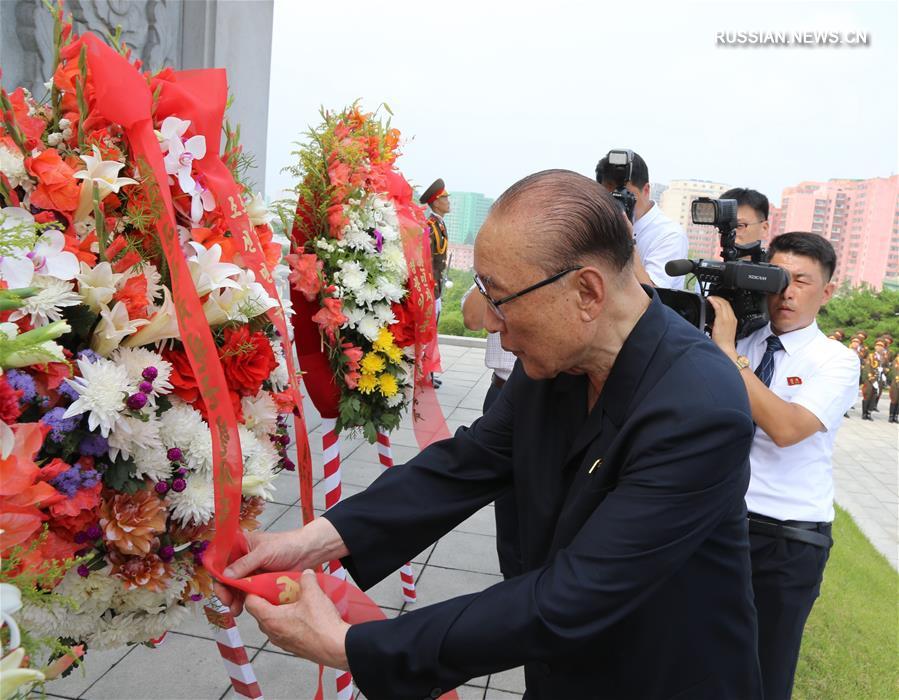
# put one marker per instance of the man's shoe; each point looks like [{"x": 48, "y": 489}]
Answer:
[
  {"x": 867, "y": 416},
  {"x": 437, "y": 383}
]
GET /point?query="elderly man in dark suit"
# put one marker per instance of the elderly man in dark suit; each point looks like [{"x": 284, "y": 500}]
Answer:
[{"x": 625, "y": 435}]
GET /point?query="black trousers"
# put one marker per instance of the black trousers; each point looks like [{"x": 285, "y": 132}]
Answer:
[
  {"x": 508, "y": 547},
  {"x": 786, "y": 580}
]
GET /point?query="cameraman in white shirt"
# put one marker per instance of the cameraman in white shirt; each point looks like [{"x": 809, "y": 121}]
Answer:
[
  {"x": 800, "y": 383},
  {"x": 659, "y": 239}
]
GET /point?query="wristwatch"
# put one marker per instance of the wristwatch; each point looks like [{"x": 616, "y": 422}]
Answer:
[{"x": 742, "y": 362}]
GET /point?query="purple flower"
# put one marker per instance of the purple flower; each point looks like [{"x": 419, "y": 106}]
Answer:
[
  {"x": 137, "y": 401},
  {"x": 74, "y": 479},
  {"x": 24, "y": 383},
  {"x": 83, "y": 571},
  {"x": 145, "y": 388},
  {"x": 94, "y": 532},
  {"x": 93, "y": 445},
  {"x": 59, "y": 427},
  {"x": 88, "y": 355},
  {"x": 288, "y": 465},
  {"x": 167, "y": 553},
  {"x": 178, "y": 485},
  {"x": 196, "y": 597},
  {"x": 379, "y": 240},
  {"x": 65, "y": 389},
  {"x": 161, "y": 488},
  {"x": 174, "y": 454},
  {"x": 150, "y": 373}
]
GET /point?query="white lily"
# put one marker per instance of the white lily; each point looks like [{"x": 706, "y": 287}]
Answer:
[
  {"x": 172, "y": 129},
  {"x": 208, "y": 272},
  {"x": 97, "y": 285},
  {"x": 162, "y": 326},
  {"x": 12, "y": 677},
  {"x": 258, "y": 211},
  {"x": 180, "y": 158},
  {"x": 7, "y": 440},
  {"x": 201, "y": 199},
  {"x": 240, "y": 304},
  {"x": 104, "y": 174},
  {"x": 114, "y": 326}
]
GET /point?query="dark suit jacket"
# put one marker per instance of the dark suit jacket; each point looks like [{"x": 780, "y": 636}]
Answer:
[{"x": 637, "y": 573}]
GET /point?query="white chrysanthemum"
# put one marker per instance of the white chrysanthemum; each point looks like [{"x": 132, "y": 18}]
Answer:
[
  {"x": 280, "y": 377},
  {"x": 102, "y": 389},
  {"x": 369, "y": 327},
  {"x": 196, "y": 503},
  {"x": 352, "y": 276},
  {"x": 136, "y": 360},
  {"x": 388, "y": 290},
  {"x": 132, "y": 434},
  {"x": 260, "y": 413},
  {"x": 152, "y": 464},
  {"x": 114, "y": 631},
  {"x": 199, "y": 451},
  {"x": 180, "y": 424},
  {"x": 154, "y": 282},
  {"x": 42, "y": 620},
  {"x": 397, "y": 399},
  {"x": 260, "y": 460},
  {"x": 12, "y": 165},
  {"x": 384, "y": 314},
  {"x": 47, "y": 304},
  {"x": 367, "y": 295},
  {"x": 353, "y": 314},
  {"x": 359, "y": 240},
  {"x": 393, "y": 261},
  {"x": 388, "y": 233},
  {"x": 151, "y": 603}
]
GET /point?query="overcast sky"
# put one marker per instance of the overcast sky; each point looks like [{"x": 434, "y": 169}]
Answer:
[{"x": 486, "y": 92}]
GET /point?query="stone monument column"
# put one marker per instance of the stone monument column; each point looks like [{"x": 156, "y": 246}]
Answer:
[{"x": 231, "y": 34}]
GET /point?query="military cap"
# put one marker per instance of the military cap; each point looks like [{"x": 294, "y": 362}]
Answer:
[{"x": 435, "y": 191}]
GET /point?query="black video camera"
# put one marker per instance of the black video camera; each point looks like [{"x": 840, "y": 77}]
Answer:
[
  {"x": 616, "y": 167},
  {"x": 744, "y": 283}
]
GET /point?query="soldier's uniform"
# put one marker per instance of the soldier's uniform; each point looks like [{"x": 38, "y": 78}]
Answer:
[
  {"x": 893, "y": 375},
  {"x": 870, "y": 381},
  {"x": 438, "y": 237},
  {"x": 837, "y": 335}
]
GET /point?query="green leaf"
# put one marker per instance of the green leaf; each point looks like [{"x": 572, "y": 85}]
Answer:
[{"x": 119, "y": 476}]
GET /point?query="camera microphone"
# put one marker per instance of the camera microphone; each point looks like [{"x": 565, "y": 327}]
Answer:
[{"x": 679, "y": 268}]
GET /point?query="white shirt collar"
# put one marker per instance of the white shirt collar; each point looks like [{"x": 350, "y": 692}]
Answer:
[
  {"x": 793, "y": 341},
  {"x": 651, "y": 215}
]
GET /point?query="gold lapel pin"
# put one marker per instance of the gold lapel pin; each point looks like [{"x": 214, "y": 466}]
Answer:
[{"x": 597, "y": 463}]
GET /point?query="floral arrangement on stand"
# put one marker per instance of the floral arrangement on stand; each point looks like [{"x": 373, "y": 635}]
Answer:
[
  {"x": 106, "y": 456},
  {"x": 361, "y": 273}
]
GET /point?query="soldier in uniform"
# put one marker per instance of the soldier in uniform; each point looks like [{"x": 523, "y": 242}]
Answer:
[
  {"x": 437, "y": 199},
  {"x": 837, "y": 335},
  {"x": 894, "y": 390},
  {"x": 870, "y": 380}
]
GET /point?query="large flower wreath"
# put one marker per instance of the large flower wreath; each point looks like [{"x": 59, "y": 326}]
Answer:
[{"x": 106, "y": 454}]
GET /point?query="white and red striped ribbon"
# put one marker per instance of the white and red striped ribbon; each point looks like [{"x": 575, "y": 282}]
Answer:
[
  {"x": 232, "y": 651},
  {"x": 407, "y": 577},
  {"x": 331, "y": 457}
]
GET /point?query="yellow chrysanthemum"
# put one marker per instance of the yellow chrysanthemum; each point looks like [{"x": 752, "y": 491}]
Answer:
[
  {"x": 384, "y": 341},
  {"x": 367, "y": 383},
  {"x": 372, "y": 363},
  {"x": 394, "y": 354},
  {"x": 388, "y": 385}
]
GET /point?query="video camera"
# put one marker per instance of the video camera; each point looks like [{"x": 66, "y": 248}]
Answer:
[
  {"x": 744, "y": 283},
  {"x": 616, "y": 167}
]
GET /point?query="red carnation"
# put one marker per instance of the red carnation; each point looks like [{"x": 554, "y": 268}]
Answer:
[
  {"x": 9, "y": 401},
  {"x": 248, "y": 360}
]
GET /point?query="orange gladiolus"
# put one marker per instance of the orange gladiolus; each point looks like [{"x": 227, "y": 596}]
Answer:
[{"x": 57, "y": 187}]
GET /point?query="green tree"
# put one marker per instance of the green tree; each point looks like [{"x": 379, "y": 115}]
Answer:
[
  {"x": 451, "y": 313},
  {"x": 862, "y": 309}
]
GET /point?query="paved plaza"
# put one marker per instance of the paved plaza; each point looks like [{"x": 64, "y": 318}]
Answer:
[{"x": 187, "y": 665}]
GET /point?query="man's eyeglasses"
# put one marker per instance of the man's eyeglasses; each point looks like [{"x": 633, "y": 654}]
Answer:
[
  {"x": 496, "y": 303},
  {"x": 742, "y": 226}
]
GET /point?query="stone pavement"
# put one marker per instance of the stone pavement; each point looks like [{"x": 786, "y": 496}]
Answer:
[{"x": 188, "y": 666}]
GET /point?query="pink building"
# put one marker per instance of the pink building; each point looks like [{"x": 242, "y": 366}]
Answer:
[
  {"x": 859, "y": 217},
  {"x": 461, "y": 256}
]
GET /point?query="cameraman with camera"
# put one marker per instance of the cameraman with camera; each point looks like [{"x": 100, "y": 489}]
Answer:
[
  {"x": 659, "y": 239},
  {"x": 800, "y": 383}
]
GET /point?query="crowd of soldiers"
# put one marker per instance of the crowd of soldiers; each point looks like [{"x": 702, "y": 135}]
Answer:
[{"x": 879, "y": 371}]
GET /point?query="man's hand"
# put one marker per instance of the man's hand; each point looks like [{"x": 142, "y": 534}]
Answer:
[
  {"x": 294, "y": 550},
  {"x": 311, "y": 627},
  {"x": 724, "y": 330}
]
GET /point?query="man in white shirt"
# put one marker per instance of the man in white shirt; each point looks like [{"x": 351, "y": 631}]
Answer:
[
  {"x": 501, "y": 362},
  {"x": 800, "y": 383},
  {"x": 659, "y": 239}
]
